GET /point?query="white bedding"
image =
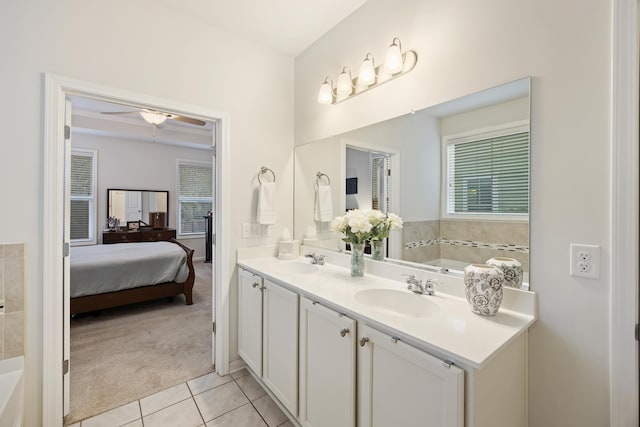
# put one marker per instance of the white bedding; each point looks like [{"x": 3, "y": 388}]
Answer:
[{"x": 99, "y": 269}]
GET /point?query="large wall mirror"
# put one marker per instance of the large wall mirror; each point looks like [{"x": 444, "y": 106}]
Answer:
[
  {"x": 457, "y": 173},
  {"x": 135, "y": 205}
]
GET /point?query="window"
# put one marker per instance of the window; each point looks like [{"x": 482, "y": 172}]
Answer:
[
  {"x": 195, "y": 196},
  {"x": 488, "y": 175},
  {"x": 82, "y": 196}
]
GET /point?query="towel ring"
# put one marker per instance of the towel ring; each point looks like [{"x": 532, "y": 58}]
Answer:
[
  {"x": 319, "y": 176},
  {"x": 264, "y": 170}
]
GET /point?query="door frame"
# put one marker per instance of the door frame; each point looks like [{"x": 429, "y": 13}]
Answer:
[
  {"x": 56, "y": 90},
  {"x": 625, "y": 189}
]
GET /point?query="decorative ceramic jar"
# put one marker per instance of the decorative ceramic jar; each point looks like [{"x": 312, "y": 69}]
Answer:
[
  {"x": 377, "y": 250},
  {"x": 357, "y": 259},
  {"x": 483, "y": 288},
  {"x": 512, "y": 269}
]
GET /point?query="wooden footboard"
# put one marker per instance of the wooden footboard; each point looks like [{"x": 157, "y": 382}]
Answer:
[{"x": 144, "y": 293}]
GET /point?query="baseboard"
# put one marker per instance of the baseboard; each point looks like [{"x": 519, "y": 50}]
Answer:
[
  {"x": 197, "y": 259},
  {"x": 236, "y": 365}
]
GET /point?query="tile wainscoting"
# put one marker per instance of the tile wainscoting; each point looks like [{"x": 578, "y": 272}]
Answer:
[
  {"x": 463, "y": 240},
  {"x": 11, "y": 300}
]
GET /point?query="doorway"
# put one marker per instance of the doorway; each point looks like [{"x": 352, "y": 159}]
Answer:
[
  {"x": 124, "y": 353},
  {"x": 57, "y": 90}
]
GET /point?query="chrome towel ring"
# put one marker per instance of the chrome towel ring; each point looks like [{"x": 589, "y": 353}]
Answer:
[{"x": 265, "y": 170}]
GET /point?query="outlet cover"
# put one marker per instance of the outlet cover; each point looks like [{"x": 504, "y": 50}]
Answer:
[{"x": 584, "y": 261}]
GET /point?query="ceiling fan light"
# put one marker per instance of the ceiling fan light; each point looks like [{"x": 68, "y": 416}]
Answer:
[
  {"x": 345, "y": 85},
  {"x": 393, "y": 59},
  {"x": 325, "y": 94},
  {"x": 367, "y": 73},
  {"x": 153, "y": 118}
]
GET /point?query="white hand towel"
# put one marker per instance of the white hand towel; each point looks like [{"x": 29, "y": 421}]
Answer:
[
  {"x": 323, "y": 211},
  {"x": 267, "y": 203}
]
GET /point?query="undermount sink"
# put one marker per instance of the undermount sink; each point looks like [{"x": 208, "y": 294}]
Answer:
[
  {"x": 399, "y": 303},
  {"x": 297, "y": 267}
]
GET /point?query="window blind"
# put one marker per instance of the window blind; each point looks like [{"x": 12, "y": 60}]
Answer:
[
  {"x": 82, "y": 197},
  {"x": 195, "y": 197},
  {"x": 489, "y": 176}
]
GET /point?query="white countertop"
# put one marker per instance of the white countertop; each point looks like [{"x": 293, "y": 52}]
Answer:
[{"x": 452, "y": 331}]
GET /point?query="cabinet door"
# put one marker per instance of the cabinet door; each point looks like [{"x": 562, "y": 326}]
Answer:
[
  {"x": 250, "y": 290},
  {"x": 399, "y": 385},
  {"x": 327, "y": 367},
  {"x": 280, "y": 344}
]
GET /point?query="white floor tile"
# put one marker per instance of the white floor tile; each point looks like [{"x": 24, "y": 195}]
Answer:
[
  {"x": 74, "y": 425},
  {"x": 164, "y": 398},
  {"x": 116, "y": 417},
  {"x": 183, "y": 414},
  {"x": 220, "y": 400},
  {"x": 269, "y": 411},
  {"x": 250, "y": 387},
  {"x": 136, "y": 423},
  {"x": 239, "y": 374},
  {"x": 207, "y": 382},
  {"x": 287, "y": 424},
  {"x": 245, "y": 416}
]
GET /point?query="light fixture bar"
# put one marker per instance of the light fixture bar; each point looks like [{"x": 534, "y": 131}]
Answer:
[{"x": 396, "y": 64}]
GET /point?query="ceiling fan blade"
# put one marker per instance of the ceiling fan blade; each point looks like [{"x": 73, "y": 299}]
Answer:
[
  {"x": 118, "y": 112},
  {"x": 189, "y": 120}
]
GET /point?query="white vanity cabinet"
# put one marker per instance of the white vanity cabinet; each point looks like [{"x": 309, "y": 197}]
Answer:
[
  {"x": 403, "y": 386},
  {"x": 327, "y": 367},
  {"x": 250, "y": 290},
  {"x": 268, "y": 335}
]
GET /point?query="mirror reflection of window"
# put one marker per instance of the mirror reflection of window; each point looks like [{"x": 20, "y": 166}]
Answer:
[{"x": 488, "y": 176}]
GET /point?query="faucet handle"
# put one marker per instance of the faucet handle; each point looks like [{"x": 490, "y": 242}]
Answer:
[{"x": 429, "y": 286}]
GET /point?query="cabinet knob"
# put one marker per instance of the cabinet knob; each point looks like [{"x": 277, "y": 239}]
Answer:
[
  {"x": 363, "y": 341},
  {"x": 344, "y": 332},
  {"x": 255, "y": 285}
]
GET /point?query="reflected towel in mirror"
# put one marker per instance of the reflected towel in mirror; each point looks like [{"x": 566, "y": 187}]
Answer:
[
  {"x": 267, "y": 203},
  {"x": 323, "y": 211}
]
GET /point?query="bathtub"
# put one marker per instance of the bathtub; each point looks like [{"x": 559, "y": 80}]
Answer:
[{"x": 11, "y": 392}]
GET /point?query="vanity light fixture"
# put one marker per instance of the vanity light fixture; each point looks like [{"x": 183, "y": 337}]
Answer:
[
  {"x": 325, "y": 95},
  {"x": 154, "y": 118},
  {"x": 396, "y": 64},
  {"x": 345, "y": 84},
  {"x": 367, "y": 74},
  {"x": 393, "y": 59}
]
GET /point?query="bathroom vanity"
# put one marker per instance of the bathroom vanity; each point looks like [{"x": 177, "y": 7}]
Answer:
[{"x": 334, "y": 350}]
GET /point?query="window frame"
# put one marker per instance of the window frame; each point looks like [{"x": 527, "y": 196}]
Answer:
[
  {"x": 477, "y": 135},
  {"x": 93, "y": 202},
  {"x": 180, "y": 199}
]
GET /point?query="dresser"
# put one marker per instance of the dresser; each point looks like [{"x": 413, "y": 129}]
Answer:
[{"x": 138, "y": 236}]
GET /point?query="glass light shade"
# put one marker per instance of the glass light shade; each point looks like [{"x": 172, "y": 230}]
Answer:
[
  {"x": 367, "y": 74},
  {"x": 345, "y": 86},
  {"x": 325, "y": 95},
  {"x": 153, "y": 118},
  {"x": 393, "y": 59}
]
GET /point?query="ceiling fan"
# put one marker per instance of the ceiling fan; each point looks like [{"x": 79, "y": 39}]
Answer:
[{"x": 156, "y": 117}]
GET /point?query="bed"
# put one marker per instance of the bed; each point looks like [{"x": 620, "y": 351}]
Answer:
[{"x": 106, "y": 276}]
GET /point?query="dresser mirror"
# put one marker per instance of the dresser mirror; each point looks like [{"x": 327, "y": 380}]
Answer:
[
  {"x": 136, "y": 205},
  {"x": 456, "y": 173}
]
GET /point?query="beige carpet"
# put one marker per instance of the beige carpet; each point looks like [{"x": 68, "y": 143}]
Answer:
[{"x": 130, "y": 352}]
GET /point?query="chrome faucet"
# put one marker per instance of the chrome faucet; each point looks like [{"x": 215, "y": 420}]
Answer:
[
  {"x": 415, "y": 285},
  {"x": 316, "y": 258}
]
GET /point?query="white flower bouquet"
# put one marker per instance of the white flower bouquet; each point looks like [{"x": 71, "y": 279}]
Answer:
[{"x": 359, "y": 226}]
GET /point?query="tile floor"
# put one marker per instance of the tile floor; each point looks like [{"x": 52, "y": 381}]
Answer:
[{"x": 211, "y": 401}]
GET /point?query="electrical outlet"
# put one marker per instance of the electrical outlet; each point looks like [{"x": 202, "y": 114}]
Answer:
[{"x": 585, "y": 261}]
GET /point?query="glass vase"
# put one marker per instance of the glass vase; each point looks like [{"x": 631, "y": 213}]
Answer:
[
  {"x": 377, "y": 251},
  {"x": 357, "y": 259}
]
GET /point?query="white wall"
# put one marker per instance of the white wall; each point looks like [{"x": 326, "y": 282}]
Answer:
[
  {"x": 467, "y": 46},
  {"x": 135, "y": 165},
  {"x": 143, "y": 47}
]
